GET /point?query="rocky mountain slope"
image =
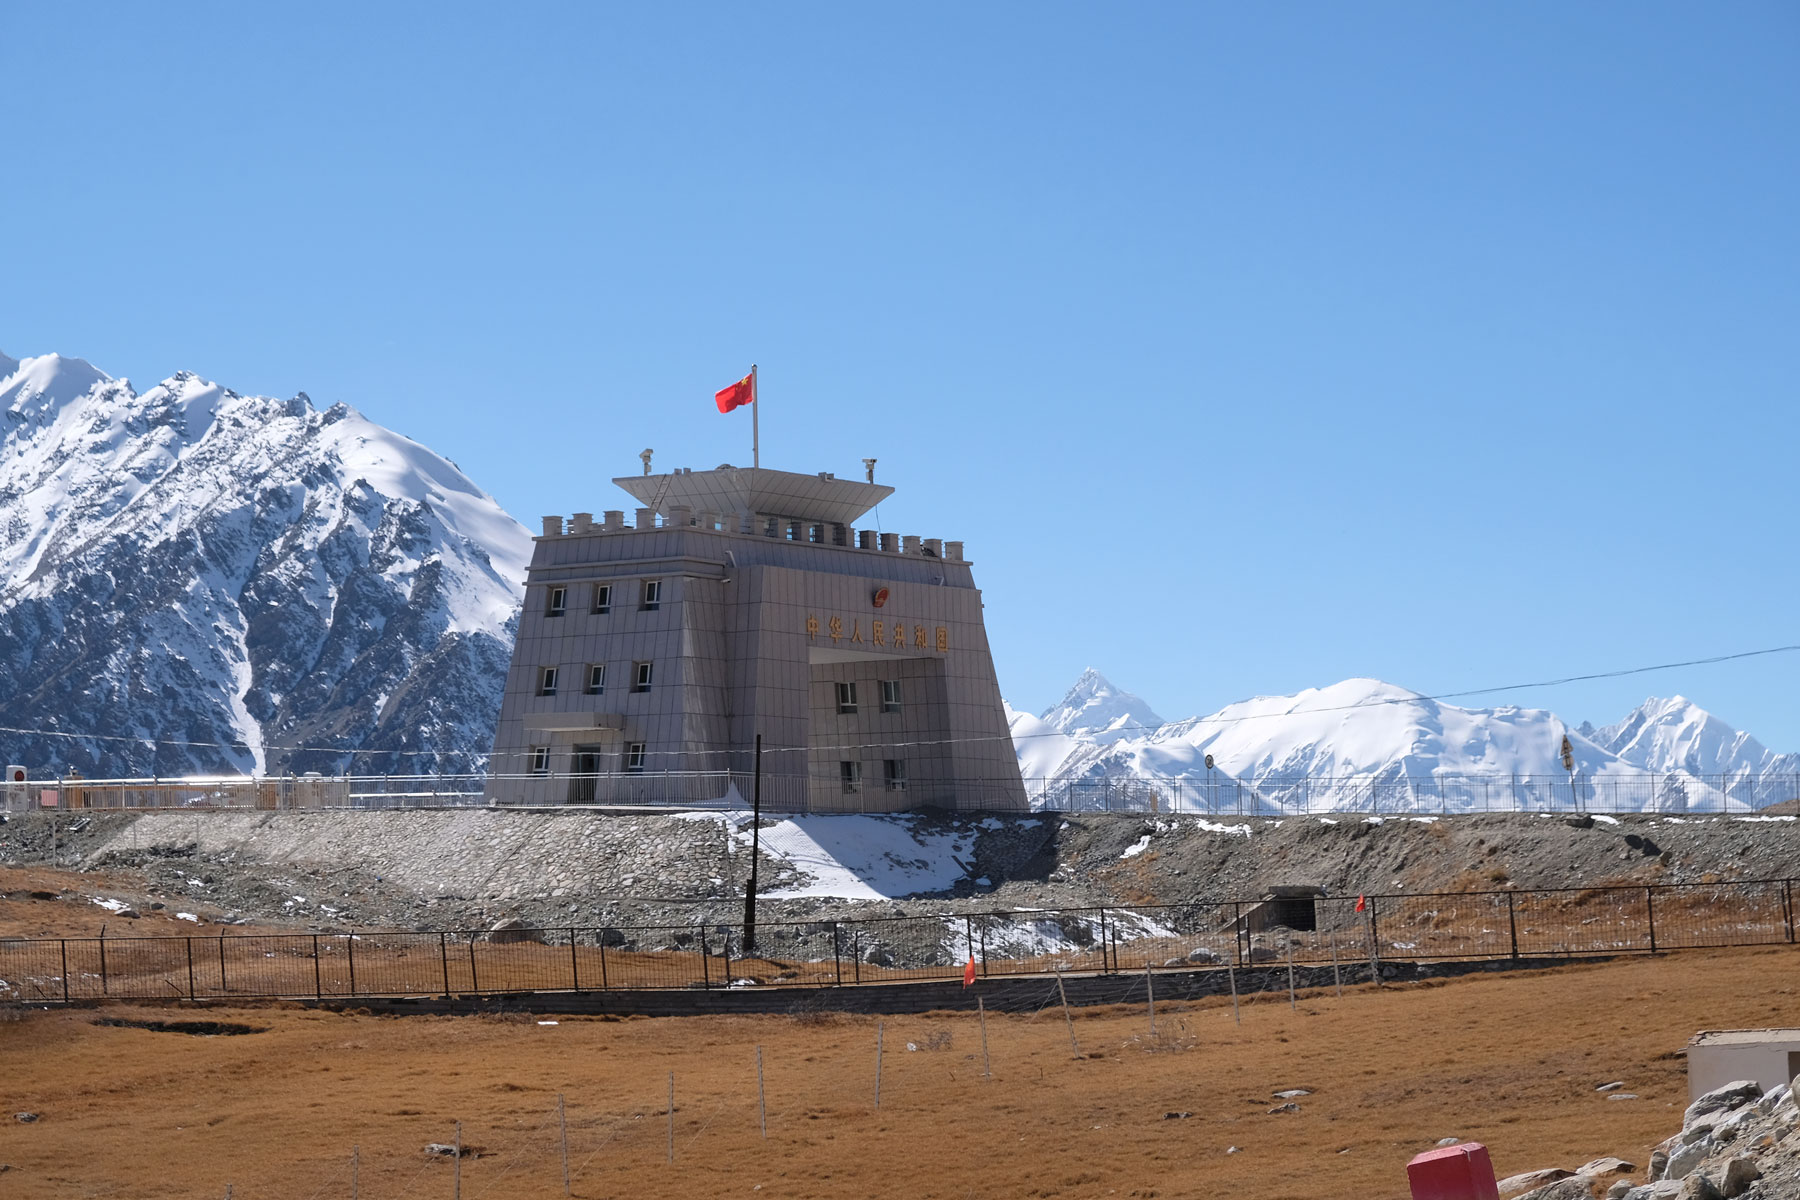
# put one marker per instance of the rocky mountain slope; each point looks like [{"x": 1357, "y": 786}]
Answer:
[{"x": 201, "y": 581}]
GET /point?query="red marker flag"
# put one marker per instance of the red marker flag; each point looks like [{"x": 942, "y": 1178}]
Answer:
[
  {"x": 738, "y": 394},
  {"x": 969, "y": 972},
  {"x": 1361, "y": 903}
]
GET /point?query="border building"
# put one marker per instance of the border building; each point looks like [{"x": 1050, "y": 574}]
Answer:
[{"x": 741, "y": 602}]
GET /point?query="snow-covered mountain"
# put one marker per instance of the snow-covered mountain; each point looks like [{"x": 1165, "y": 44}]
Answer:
[
  {"x": 1678, "y": 735},
  {"x": 1363, "y": 743},
  {"x": 194, "y": 580}
]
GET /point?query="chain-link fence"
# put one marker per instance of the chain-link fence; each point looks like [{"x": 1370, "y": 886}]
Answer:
[{"x": 1522, "y": 923}]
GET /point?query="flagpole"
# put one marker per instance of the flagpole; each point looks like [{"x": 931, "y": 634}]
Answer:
[{"x": 755, "y": 433}]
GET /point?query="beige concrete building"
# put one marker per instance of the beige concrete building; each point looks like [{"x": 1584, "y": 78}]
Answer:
[{"x": 744, "y": 601}]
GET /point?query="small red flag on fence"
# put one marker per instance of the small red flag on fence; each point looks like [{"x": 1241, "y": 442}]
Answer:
[
  {"x": 1361, "y": 903},
  {"x": 969, "y": 972}
]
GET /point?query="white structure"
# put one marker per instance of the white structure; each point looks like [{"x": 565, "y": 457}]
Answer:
[
  {"x": 1717, "y": 1057},
  {"x": 741, "y": 602}
]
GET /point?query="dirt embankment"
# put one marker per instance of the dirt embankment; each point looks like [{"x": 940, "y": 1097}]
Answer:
[{"x": 470, "y": 869}]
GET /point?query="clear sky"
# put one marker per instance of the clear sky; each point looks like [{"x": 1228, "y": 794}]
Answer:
[{"x": 1248, "y": 347}]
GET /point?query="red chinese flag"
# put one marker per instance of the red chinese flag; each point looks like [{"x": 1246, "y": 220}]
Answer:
[
  {"x": 969, "y": 972},
  {"x": 1361, "y": 903},
  {"x": 738, "y": 394}
]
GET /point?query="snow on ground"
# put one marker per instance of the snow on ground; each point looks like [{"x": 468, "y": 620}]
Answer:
[{"x": 852, "y": 857}]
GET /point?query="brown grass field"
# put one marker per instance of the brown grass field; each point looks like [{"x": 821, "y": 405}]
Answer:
[{"x": 1510, "y": 1060}]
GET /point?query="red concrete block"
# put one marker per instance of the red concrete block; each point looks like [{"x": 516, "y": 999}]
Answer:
[{"x": 1459, "y": 1172}]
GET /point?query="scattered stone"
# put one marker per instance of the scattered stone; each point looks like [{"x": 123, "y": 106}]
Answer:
[
  {"x": 1177, "y": 1116},
  {"x": 1666, "y": 1189},
  {"x": 1579, "y": 821},
  {"x": 1722, "y": 1100},
  {"x": 1201, "y": 954},
  {"x": 1573, "y": 1188},
  {"x": 1623, "y": 1096},
  {"x": 1687, "y": 1157},
  {"x": 1289, "y": 1107},
  {"x": 157, "y": 906},
  {"x": 1232, "y": 1150},
  {"x": 1659, "y": 1164},
  {"x": 1699, "y": 1187},
  {"x": 515, "y": 929},
  {"x": 1449, "y": 1141},
  {"x": 1619, "y": 1190},
  {"x": 611, "y": 937},
  {"x": 1611, "y": 1087},
  {"x": 1292, "y": 1094},
  {"x": 1606, "y": 1166},
  {"x": 25, "y": 1118},
  {"x": 131, "y": 914},
  {"x": 1740, "y": 1173},
  {"x": 1532, "y": 1179},
  {"x": 1262, "y": 954},
  {"x": 442, "y": 1150}
]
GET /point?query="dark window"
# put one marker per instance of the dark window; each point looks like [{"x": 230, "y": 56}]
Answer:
[
  {"x": 846, "y": 698},
  {"x": 538, "y": 762},
  {"x": 890, "y": 695},
  {"x": 558, "y": 600},
  {"x": 652, "y": 595},
  {"x": 602, "y": 598},
  {"x": 547, "y": 682},
  {"x": 634, "y": 756},
  {"x": 893, "y": 774},
  {"x": 596, "y": 681},
  {"x": 851, "y": 774},
  {"x": 641, "y": 677}
]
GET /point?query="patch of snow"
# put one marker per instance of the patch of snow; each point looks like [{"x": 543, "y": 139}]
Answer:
[
  {"x": 1606, "y": 820},
  {"x": 861, "y": 857},
  {"x": 112, "y": 905},
  {"x": 1136, "y": 848},
  {"x": 187, "y": 917}
]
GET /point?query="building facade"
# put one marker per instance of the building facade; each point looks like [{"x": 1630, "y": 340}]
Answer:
[{"x": 742, "y": 602}]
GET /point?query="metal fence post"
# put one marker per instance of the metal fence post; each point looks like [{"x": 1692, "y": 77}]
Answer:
[
  {"x": 64, "y": 943},
  {"x": 318, "y": 982},
  {"x": 1512, "y": 924},
  {"x": 1650, "y": 915},
  {"x": 350, "y": 950},
  {"x": 190, "y": 960},
  {"x": 705, "y": 971},
  {"x": 103, "y": 989},
  {"x": 474, "y": 979},
  {"x": 223, "y": 987},
  {"x": 837, "y": 957},
  {"x": 444, "y": 959},
  {"x": 605, "y": 986},
  {"x": 1237, "y": 930},
  {"x": 574, "y": 965},
  {"x": 1787, "y": 910}
]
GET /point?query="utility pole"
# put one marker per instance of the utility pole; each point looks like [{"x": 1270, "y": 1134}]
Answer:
[{"x": 755, "y": 845}]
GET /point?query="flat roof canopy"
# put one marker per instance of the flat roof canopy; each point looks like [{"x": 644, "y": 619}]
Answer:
[{"x": 757, "y": 490}]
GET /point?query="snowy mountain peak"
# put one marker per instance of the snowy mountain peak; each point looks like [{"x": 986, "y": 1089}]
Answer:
[
  {"x": 1094, "y": 708},
  {"x": 1678, "y": 735},
  {"x": 194, "y": 565}
]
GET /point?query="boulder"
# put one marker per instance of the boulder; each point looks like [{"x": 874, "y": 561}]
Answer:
[
  {"x": 514, "y": 929},
  {"x": 1573, "y": 1188},
  {"x": 1665, "y": 1189},
  {"x": 611, "y": 938},
  {"x": 1722, "y": 1100},
  {"x": 1686, "y": 1157},
  {"x": 1740, "y": 1173},
  {"x": 1262, "y": 954},
  {"x": 1699, "y": 1187},
  {"x": 1606, "y": 1166},
  {"x": 1202, "y": 954},
  {"x": 1531, "y": 1179},
  {"x": 1619, "y": 1190}
]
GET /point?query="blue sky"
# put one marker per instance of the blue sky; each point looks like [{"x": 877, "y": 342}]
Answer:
[{"x": 1247, "y": 347}]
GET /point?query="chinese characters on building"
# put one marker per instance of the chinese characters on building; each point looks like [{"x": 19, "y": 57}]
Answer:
[{"x": 885, "y": 635}]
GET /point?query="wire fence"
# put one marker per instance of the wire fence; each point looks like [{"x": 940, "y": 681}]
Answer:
[
  {"x": 1115, "y": 938},
  {"x": 1214, "y": 793}
]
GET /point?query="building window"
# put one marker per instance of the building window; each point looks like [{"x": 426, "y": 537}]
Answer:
[
  {"x": 846, "y": 696},
  {"x": 547, "y": 681},
  {"x": 893, "y": 774},
  {"x": 652, "y": 595},
  {"x": 641, "y": 677},
  {"x": 602, "y": 598},
  {"x": 634, "y": 757},
  {"x": 537, "y": 760},
  {"x": 558, "y": 602},
  {"x": 596, "y": 681},
  {"x": 890, "y": 695},
  {"x": 851, "y": 774}
]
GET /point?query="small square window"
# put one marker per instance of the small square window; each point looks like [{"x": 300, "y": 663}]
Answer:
[
  {"x": 547, "y": 681},
  {"x": 893, "y": 774},
  {"x": 559, "y": 598},
  {"x": 596, "y": 680},
  {"x": 641, "y": 677},
  {"x": 652, "y": 595},
  {"x": 634, "y": 757},
  {"x": 602, "y": 598},
  {"x": 846, "y": 698},
  {"x": 851, "y": 774},
  {"x": 538, "y": 760},
  {"x": 890, "y": 695}
]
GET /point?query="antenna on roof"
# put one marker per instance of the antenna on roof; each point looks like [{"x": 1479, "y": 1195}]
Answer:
[
  {"x": 645, "y": 455},
  {"x": 869, "y": 466}
]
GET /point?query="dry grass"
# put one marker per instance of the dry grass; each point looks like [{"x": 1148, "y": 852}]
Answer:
[{"x": 1510, "y": 1060}]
